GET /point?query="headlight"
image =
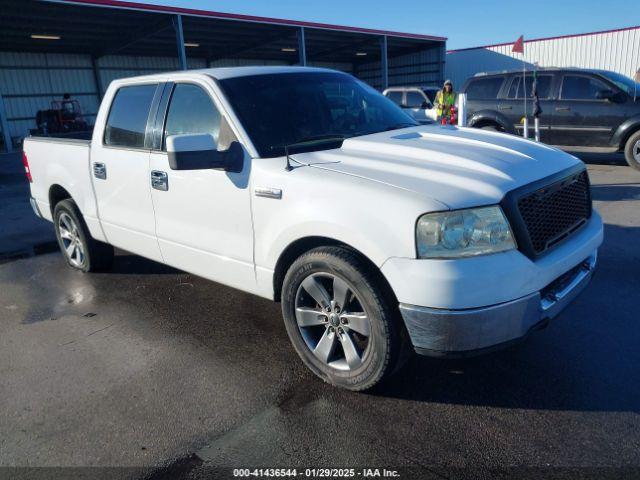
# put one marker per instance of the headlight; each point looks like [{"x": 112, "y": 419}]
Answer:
[{"x": 463, "y": 233}]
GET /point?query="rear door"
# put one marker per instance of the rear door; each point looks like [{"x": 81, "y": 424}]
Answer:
[
  {"x": 580, "y": 117},
  {"x": 511, "y": 106},
  {"x": 120, "y": 170},
  {"x": 203, "y": 217},
  {"x": 482, "y": 94}
]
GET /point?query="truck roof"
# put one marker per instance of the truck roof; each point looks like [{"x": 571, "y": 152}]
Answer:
[
  {"x": 540, "y": 69},
  {"x": 228, "y": 72}
]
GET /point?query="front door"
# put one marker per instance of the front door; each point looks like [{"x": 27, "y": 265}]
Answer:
[
  {"x": 203, "y": 217},
  {"x": 120, "y": 173},
  {"x": 417, "y": 105},
  {"x": 581, "y": 118}
]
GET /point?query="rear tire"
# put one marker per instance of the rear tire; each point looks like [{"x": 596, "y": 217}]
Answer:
[
  {"x": 79, "y": 249},
  {"x": 343, "y": 324},
  {"x": 632, "y": 151}
]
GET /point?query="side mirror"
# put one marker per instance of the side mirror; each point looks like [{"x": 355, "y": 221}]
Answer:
[
  {"x": 425, "y": 105},
  {"x": 199, "y": 152}
]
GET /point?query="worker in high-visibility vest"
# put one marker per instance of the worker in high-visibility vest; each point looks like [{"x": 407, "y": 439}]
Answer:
[{"x": 445, "y": 99}]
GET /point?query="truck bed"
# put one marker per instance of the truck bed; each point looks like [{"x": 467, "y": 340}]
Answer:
[{"x": 61, "y": 163}]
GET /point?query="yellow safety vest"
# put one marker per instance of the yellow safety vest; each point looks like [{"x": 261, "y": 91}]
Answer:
[{"x": 444, "y": 101}]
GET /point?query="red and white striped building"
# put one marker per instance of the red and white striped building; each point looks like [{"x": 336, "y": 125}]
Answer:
[{"x": 616, "y": 50}]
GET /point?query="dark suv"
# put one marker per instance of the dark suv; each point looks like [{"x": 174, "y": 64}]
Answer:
[{"x": 582, "y": 110}]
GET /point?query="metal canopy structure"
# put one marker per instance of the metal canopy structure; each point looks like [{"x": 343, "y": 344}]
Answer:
[{"x": 107, "y": 28}]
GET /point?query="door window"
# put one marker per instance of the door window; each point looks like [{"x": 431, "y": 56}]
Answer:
[
  {"x": 191, "y": 111},
  {"x": 580, "y": 87},
  {"x": 415, "y": 99},
  {"x": 517, "y": 89},
  {"x": 395, "y": 96},
  {"x": 484, "y": 88},
  {"x": 127, "y": 121}
]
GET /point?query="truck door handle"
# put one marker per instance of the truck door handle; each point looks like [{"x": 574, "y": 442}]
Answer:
[
  {"x": 159, "y": 180},
  {"x": 504, "y": 107},
  {"x": 100, "y": 170},
  {"x": 562, "y": 109}
]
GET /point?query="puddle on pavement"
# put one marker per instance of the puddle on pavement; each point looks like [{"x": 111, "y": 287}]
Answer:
[{"x": 76, "y": 301}]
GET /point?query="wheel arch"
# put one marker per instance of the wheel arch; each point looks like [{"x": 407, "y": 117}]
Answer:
[
  {"x": 302, "y": 245},
  {"x": 624, "y": 132},
  {"x": 484, "y": 118},
  {"x": 57, "y": 193}
]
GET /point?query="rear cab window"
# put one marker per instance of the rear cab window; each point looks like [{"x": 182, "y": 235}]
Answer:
[
  {"x": 395, "y": 96},
  {"x": 127, "y": 121},
  {"x": 484, "y": 88}
]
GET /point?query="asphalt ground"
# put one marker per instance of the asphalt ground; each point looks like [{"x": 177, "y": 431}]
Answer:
[{"x": 146, "y": 371}]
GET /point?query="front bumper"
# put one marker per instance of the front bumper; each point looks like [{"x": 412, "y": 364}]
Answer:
[{"x": 442, "y": 332}]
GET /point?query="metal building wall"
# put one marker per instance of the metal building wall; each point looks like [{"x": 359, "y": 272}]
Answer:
[
  {"x": 29, "y": 81},
  {"x": 421, "y": 68},
  {"x": 618, "y": 51}
]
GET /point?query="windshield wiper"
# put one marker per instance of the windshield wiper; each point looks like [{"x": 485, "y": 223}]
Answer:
[{"x": 309, "y": 144}]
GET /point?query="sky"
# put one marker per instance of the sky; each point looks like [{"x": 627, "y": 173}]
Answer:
[{"x": 466, "y": 23}]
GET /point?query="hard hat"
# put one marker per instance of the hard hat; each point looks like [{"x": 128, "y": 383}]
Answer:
[{"x": 448, "y": 82}]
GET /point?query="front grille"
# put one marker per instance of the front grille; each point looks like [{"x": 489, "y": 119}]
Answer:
[{"x": 552, "y": 213}]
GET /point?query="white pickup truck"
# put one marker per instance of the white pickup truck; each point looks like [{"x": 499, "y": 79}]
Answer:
[{"x": 306, "y": 186}]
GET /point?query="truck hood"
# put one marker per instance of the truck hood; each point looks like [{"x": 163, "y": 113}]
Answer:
[{"x": 459, "y": 167}]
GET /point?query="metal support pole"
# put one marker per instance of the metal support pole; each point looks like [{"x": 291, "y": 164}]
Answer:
[
  {"x": 182, "y": 55},
  {"x": 302, "y": 48},
  {"x": 462, "y": 109},
  {"x": 5, "y": 127},
  {"x": 96, "y": 78},
  {"x": 384, "y": 65},
  {"x": 443, "y": 59}
]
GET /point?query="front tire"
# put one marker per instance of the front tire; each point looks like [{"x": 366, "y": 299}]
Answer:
[
  {"x": 340, "y": 319},
  {"x": 632, "y": 151},
  {"x": 80, "y": 250}
]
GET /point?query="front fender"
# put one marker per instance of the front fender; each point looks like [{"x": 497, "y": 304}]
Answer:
[
  {"x": 622, "y": 133},
  {"x": 491, "y": 115}
]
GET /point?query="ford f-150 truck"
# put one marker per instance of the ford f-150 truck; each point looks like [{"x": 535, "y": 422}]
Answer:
[{"x": 306, "y": 186}]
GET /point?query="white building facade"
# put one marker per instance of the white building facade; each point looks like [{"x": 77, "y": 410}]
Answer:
[{"x": 615, "y": 50}]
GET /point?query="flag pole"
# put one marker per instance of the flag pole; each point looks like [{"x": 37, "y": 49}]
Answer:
[
  {"x": 518, "y": 47},
  {"x": 525, "y": 131}
]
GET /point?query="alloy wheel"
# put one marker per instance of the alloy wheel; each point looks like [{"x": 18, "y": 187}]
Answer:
[
  {"x": 71, "y": 242},
  {"x": 332, "y": 321}
]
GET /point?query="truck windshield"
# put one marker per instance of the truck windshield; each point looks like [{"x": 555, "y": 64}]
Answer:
[{"x": 286, "y": 108}]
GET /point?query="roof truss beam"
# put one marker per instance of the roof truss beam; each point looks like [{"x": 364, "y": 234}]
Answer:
[{"x": 142, "y": 34}]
